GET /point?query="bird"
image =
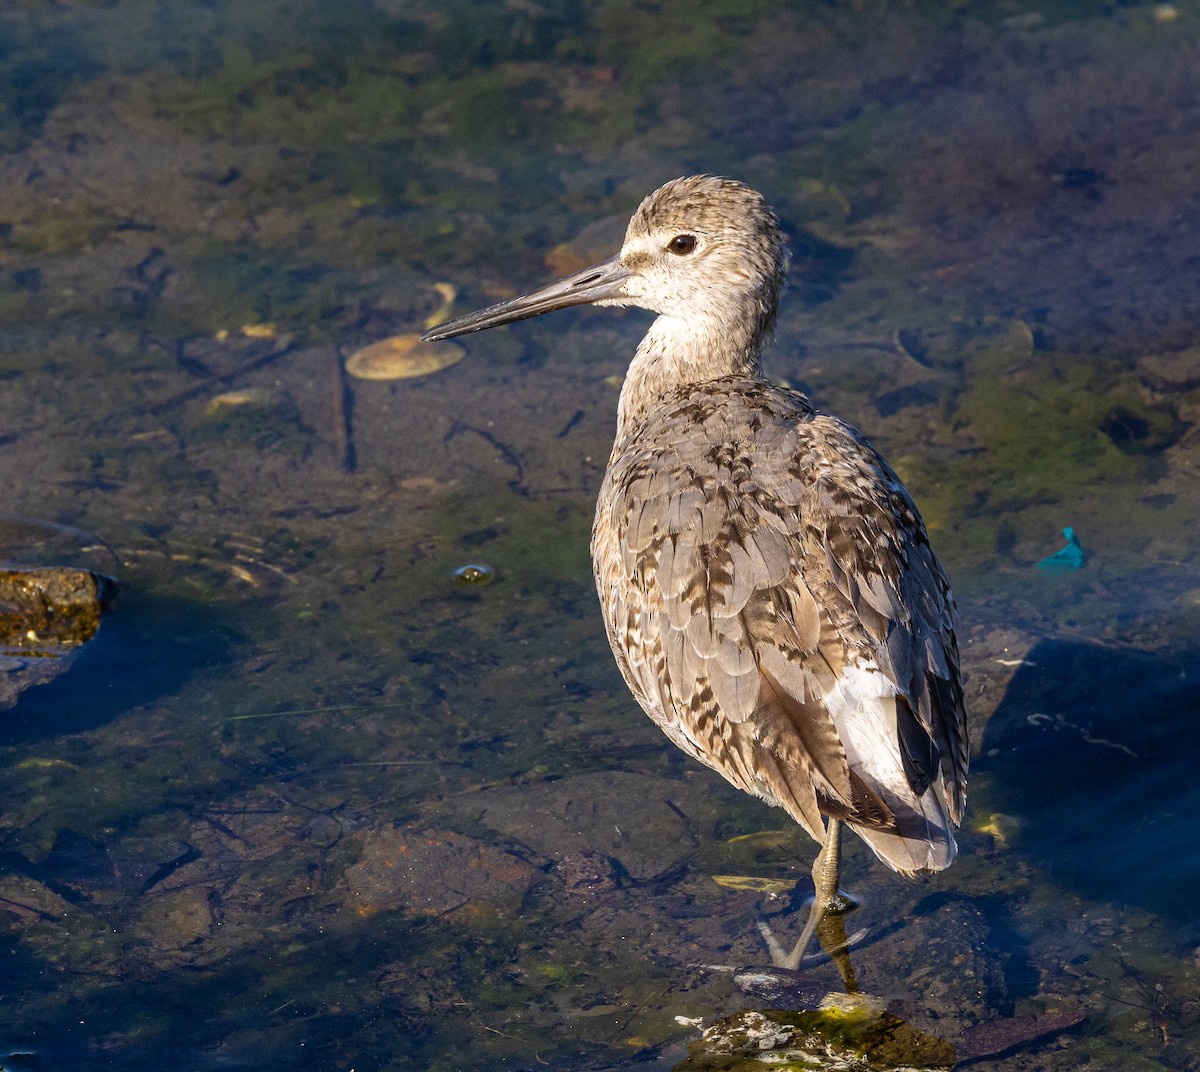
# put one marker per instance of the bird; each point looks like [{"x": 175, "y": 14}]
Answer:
[{"x": 767, "y": 583}]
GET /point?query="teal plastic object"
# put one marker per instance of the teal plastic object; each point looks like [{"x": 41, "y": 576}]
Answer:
[{"x": 1069, "y": 558}]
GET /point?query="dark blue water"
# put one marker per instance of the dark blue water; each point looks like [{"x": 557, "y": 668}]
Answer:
[{"x": 309, "y": 800}]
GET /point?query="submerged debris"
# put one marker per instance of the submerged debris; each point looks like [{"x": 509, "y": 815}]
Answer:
[
  {"x": 475, "y": 574},
  {"x": 448, "y": 292},
  {"x": 754, "y": 883},
  {"x": 227, "y": 400},
  {"x": 1067, "y": 558},
  {"x": 402, "y": 357}
]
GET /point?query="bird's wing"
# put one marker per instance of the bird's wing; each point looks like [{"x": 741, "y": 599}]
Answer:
[
  {"x": 739, "y": 565},
  {"x": 877, "y": 554}
]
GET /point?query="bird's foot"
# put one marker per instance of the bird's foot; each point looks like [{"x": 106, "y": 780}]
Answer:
[
  {"x": 819, "y": 912},
  {"x": 780, "y": 957}
]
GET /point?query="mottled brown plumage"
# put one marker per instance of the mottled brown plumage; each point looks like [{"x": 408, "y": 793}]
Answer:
[
  {"x": 748, "y": 549},
  {"x": 768, "y": 587}
]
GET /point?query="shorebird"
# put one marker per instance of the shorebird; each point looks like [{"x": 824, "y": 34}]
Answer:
[{"x": 767, "y": 582}]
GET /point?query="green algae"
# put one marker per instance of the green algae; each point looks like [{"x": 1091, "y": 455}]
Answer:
[
  {"x": 1048, "y": 428},
  {"x": 75, "y": 225},
  {"x": 1053, "y": 439},
  {"x": 672, "y": 38}
]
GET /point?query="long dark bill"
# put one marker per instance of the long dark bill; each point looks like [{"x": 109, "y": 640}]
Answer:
[{"x": 604, "y": 282}]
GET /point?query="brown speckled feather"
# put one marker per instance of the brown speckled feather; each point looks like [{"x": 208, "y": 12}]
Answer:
[{"x": 747, "y": 549}]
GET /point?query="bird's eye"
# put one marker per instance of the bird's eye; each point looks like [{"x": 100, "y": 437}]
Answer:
[{"x": 682, "y": 244}]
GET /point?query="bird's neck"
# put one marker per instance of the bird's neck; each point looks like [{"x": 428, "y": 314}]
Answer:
[{"x": 676, "y": 353}]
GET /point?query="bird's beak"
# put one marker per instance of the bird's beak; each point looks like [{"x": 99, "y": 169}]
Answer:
[{"x": 601, "y": 284}]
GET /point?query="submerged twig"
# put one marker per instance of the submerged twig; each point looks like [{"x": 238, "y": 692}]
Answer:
[
  {"x": 314, "y": 711},
  {"x": 343, "y": 403},
  {"x": 66, "y": 530},
  {"x": 286, "y": 346}
]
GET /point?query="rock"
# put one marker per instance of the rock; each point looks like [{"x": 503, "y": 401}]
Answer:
[
  {"x": 432, "y": 872},
  {"x": 46, "y": 614}
]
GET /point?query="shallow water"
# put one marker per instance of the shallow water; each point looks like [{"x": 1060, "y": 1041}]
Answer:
[{"x": 308, "y": 798}]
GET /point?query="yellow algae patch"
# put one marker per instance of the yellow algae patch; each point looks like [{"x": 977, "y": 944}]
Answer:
[
  {"x": 753, "y": 884},
  {"x": 765, "y": 839},
  {"x": 402, "y": 357},
  {"x": 1002, "y": 828},
  {"x": 45, "y": 763},
  {"x": 258, "y": 331},
  {"x": 232, "y": 399},
  {"x": 449, "y": 294}
]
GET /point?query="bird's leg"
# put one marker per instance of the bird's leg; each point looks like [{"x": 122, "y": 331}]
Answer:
[
  {"x": 825, "y": 871},
  {"x": 831, "y": 932},
  {"x": 827, "y": 868},
  {"x": 825, "y": 880}
]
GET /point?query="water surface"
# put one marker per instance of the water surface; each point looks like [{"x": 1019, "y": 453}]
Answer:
[{"x": 309, "y": 799}]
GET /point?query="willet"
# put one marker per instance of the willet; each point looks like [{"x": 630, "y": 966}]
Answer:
[{"x": 767, "y": 583}]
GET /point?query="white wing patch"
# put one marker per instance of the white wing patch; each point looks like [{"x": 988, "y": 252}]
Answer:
[{"x": 863, "y": 706}]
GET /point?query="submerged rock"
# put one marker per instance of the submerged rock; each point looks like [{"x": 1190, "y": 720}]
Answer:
[
  {"x": 432, "y": 872},
  {"x": 847, "y": 1034},
  {"x": 46, "y": 614},
  {"x": 44, "y": 610}
]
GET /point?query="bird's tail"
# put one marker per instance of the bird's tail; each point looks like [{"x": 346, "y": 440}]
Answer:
[
  {"x": 921, "y": 840},
  {"x": 869, "y": 716}
]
